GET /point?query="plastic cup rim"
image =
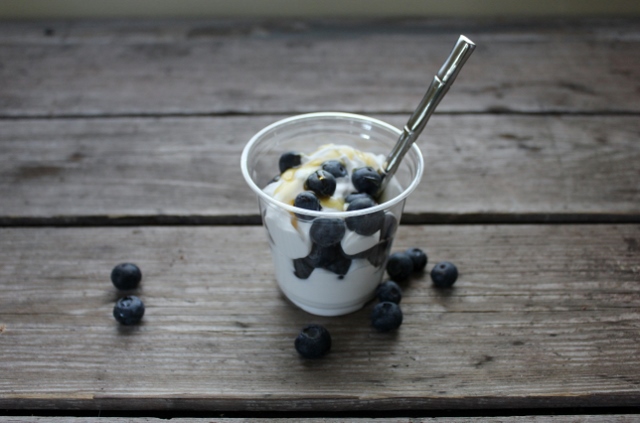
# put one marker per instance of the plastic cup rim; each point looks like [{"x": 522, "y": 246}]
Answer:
[{"x": 340, "y": 215}]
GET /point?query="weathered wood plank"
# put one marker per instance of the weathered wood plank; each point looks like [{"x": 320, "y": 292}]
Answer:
[
  {"x": 542, "y": 316},
  {"x": 616, "y": 418},
  {"x": 478, "y": 168},
  {"x": 95, "y": 68}
]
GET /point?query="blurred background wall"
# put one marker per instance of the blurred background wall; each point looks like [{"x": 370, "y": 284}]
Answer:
[{"x": 41, "y": 9}]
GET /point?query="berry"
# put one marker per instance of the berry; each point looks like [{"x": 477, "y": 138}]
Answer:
[
  {"x": 302, "y": 268},
  {"x": 419, "y": 258},
  {"x": 335, "y": 167},
  {"x": 379, "y": 253},
  {"x": 322, "y": 256},
  {"x": 399, "y": 266},
  {"x": 366, "y": 179},
  {"x": 322, "y": 183},
  {"x": 386, "y": 316},
  {"x": 389, "y": 226},
  {"x": 306, "y": 200},
  {"x": 126, "y": 276},
  {"x": 128, "y": 310},
  {"x": 326, "y": 232},
  {"x": 354, "y": 196},
  {"x": 330, "y": 258},
  {"x": 389, "y": 291},
  {"x": 340, "y": 265},
  {"x": 366, "y": 224},
  {"x": 288, "y": 160},
  {"x": 361, "y": 202},
  {"x": 314, "y": 341},
  {"x": 444, "y": 274}
]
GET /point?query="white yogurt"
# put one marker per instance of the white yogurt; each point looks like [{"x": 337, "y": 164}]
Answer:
[
  {"x": 324, "y": 292},
  {"x": 291, "y": 182}
]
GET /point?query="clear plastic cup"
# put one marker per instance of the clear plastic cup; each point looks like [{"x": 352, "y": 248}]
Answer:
[{"x": 339, "y": 279}]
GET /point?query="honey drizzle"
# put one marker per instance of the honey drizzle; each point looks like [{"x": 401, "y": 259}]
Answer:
[{"x": 292, "y": 180}]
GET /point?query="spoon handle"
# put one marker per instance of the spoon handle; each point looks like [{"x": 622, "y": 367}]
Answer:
[{"x": 441, "y": 83}]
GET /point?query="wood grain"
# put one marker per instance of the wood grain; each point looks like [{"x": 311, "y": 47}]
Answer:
[
  {"x": 542, "y": 316},
  {"x": 142, "y": 68},
  {"x": 618, "y": 418},
  {"x": 477, "y": 169},
  {"x": 113, "y": 123}
]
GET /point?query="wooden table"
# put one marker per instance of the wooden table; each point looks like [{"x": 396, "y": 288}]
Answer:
[{"x": 121, "y": 140}]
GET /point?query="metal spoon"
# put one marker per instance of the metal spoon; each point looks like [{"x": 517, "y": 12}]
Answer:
[{"x": 441, "y": 83}]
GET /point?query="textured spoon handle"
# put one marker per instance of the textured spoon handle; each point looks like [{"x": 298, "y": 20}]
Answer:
[{"x": 441, "y": 83}]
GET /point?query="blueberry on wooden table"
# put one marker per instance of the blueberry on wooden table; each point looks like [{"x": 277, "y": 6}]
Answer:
[
  {"x": 126, "y": 276},
  {"x": 314, "y": 341},
  {"x": 129, "y": 310},
  {"x": 419, "y": 258},
  {"x": 389, "y": 291},
  {"x": 386, "y": 316},
  {"x": 444, "y": 274},
  {"x": 399, "y": 266}
]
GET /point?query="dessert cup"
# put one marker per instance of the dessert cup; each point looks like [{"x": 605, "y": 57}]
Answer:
[{"x": 341, "y": 278}]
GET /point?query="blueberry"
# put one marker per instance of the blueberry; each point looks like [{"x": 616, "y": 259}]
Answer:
[
  {"x": 335, "y": 167},
  {"x": 361, "y": 202},
  {"x": 386, "y": 316},
  {"x": 302, "y": 268},
  {"x": 322, "y": 256},
  {"x": 330, "y": 258},
  {"x": 306, "y": 200},
  {"x": 326, "y": 232},
  {"x": 354, "y": 196},
  {"x": 288, "y": 160},
  {"x": 314, "y": 341},
  {"x": 128, "y": 310},
  {"x": 399, "y": 266},
  {"x": 444, "y": 274},
  {"x": 419, "y": 258},
  {"x": 380, "y": 253},
  {"x": 389, "y": 291},
  {"x": 389, "y": 226},
  {"x": 366, "y": 179},
  {"x": 126, "y": 276},
  {"x": 322, "y": 183},
  {"x": 367, "y": 224},
  {"x": 340, "y": 265}
]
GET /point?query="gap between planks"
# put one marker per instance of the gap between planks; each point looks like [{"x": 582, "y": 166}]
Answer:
[
  {"x": 254, "y": 220},
  {"x": 469, "y": 416},
  {"x": 169, "y": 115}
]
